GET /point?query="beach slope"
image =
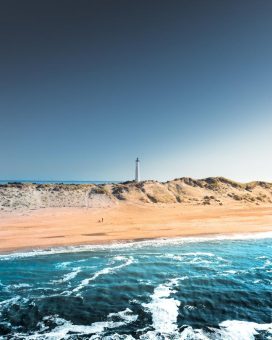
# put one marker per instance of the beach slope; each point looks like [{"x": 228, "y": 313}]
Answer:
[{"x": 40, "y": 216}]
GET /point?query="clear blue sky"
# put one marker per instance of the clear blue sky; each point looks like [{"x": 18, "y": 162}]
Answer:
[{"x": 87, "y": 86}]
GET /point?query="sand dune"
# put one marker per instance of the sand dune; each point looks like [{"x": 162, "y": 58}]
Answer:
[{"x": 209, "y": 191}]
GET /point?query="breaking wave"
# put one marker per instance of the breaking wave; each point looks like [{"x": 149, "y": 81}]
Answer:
[
  {"x": 217, "y": 289},
  {"x": 136, "y": 245},
  {"x": 104, "y": 271},
  {"x": 63, "y": 327}
]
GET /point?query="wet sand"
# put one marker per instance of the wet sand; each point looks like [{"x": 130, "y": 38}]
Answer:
[{"x": 53, "y": 227}]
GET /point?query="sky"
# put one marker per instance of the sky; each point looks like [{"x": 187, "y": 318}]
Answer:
[{"x": 86, "y": 86}]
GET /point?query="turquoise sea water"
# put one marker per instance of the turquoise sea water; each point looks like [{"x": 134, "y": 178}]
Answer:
[
  {"x": 54, "y": 181},
  {"x": 165, "y": 289}
]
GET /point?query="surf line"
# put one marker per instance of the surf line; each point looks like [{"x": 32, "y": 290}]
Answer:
[{"x": 104, "y": 271}]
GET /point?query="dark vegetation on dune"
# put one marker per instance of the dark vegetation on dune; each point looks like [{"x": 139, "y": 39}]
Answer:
[{"x": 208, "y": 191}]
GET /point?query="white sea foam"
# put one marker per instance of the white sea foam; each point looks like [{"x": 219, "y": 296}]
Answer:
[
  {"x": 228, "y": 330},
  {"x": 194, "y": 334},
  {"x": 257, "y": 281},
  {"x": 63, "y": 265},
  {"x": 243, "y": 330},
  {"x": 64, "y": 327},
  {"x": 68, "y": 276},
  {"x": 261, "y": 257},
  {"x": 197, "y": 253},
  {"x": 173, "y": 257},
  {"x": 267, "y": 264},
  {"x": 108, "y": 270},
  {"x": 16, "y": 286},
  {"x": 164, "y": 309},
  {"x": 199, "y": 260},
  {"x": 181, "y": 256},
  {"x": 189, "y": 307},
  {"x": 12, "y": 301},
  {"x": 115, "y": 336},
  {"x": 20, "y": 285},
  {"x": 17, "y": 300},
  {"x": 196, "y": 258},
  {"x": 151, "y": 243},
  {"x": 67, "y": 264},
  {"x": 230, "y": 272}
]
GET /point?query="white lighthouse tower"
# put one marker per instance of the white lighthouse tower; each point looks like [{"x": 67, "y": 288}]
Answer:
[{"x": 137, "y": 170}]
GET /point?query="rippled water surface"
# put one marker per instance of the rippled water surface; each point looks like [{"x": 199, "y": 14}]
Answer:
[{"x": 193, "y": 289}]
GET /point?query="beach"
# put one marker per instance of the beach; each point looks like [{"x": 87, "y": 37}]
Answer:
[
  {"x": 185, "y": 259},
  {"x": 53, "y": 227}
]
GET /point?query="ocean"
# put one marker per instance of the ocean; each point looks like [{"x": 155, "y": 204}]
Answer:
[
  {"x": 6, "y": 181},
  {"x": 209, "y": 288}
]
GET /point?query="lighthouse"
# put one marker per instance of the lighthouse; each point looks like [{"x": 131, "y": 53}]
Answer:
[{"x": 137, "y": 170}]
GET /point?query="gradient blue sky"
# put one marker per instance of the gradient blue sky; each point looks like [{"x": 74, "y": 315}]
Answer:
[{"x": 87, "y": 86}]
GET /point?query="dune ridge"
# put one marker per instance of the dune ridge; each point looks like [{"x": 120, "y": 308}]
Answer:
[{"x": 209, "y": 191}]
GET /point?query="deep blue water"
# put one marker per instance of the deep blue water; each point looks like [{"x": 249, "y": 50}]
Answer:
[
  {"x": 55, "y": 181},
  {"x": 212, "y": 289}
]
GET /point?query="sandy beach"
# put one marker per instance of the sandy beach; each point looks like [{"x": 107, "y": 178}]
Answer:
[{"x": 122, "y": 222}]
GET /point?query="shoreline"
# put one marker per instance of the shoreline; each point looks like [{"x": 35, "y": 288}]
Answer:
[
  {"x": 127, "y": 223},
  {"x": 124, "y": 244}
]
